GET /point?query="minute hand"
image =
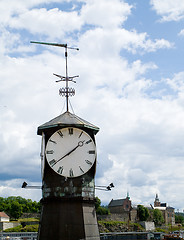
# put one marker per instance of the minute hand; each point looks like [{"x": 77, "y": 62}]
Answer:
[{"x": 80, "y": 144}]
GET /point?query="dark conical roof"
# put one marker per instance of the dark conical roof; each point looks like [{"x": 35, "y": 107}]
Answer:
[{"x": 67, "y": 119}]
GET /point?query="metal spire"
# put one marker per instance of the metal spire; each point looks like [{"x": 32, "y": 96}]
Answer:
[{"x": 64, "y": 92}]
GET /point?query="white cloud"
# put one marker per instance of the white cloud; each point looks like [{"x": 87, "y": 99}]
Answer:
[
  {"x": 177, "y": 82},
  {"x": 8, "y": 41},
  {"x": 103, "y": 43},
  {"x": 181, "y": 33},
  {"x": 53, "y": 23},
  {"x": 105, "y": 14},
  {"x": 169, "y": 10},
  {"x": 13, "y": 188},
  {"x": 12, "y": 8}
]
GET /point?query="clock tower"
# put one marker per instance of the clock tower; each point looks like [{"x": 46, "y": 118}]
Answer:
[{"x": 68, "y": 162}]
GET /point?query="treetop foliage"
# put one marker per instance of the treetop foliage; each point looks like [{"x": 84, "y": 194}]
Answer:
[
  {"x": 179, "y": 219},
  {"x": 100, "y": 210},
  {"x": 158, "y": 217},
  {"x": 15, "y": 206},
  {"x": 143, "y": 213}
]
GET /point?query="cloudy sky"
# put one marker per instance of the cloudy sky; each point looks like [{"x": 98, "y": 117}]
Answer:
[{"x": 131, "y": 86}]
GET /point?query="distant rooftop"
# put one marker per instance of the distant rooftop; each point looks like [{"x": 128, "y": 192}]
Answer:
[
  {"x": 117, "y": 202},
  {"x": 4, "y": 215},
  {"x": 160, "y": 208}
]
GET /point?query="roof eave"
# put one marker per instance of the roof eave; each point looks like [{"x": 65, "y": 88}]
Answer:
[
  {"x": 64, "y": 120},
  {"x": 42, "y": 128}
]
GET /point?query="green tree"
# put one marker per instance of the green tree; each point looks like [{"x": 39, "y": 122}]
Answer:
[
  {"x": 143, "y": 213},
  {"x": 97, "y": 202},
  {"x": 158, "y": 217},
  {"x": 15, "y": 210},
  {"x": 1, "y": 204},
  {"x": 179, "y": 219},
  {"x": 35, "y": 207},
  {"x": 100, "y": 210},
  {"x": 12, "y": 205},
  {"x": 6, "y": 207},
  {"x": 25, "y": 208}
]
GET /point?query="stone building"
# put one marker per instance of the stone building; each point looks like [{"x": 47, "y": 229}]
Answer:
[
  {"x": 120, "y": 205},
  {"x": 133, "y": 214},
  {"x": 121, "y": 209},
  {"x": 167, "y": 211},
  {"x": 157, "y": 203}
]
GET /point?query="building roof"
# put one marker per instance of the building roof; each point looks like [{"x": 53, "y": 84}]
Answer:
[
  {"x": 117, "y": 202},
  {"x": 160, "y": 208},
  {"x": 4, "y": 215},
  {"x": 170, "y": 207},
  {"x": 67, "y": 119}
]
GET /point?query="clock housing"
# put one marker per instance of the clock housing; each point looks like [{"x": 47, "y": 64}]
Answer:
[{"x": 57, "y": 185}]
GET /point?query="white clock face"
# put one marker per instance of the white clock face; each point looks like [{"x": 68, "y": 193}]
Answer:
[{"x": 70, "y": 152}]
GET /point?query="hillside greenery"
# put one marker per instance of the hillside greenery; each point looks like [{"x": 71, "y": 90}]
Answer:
[
  {"x": 15, "y": 206},
  {"x": 179, "y": 219},
  {"x": 20, "y": 228},
  {"x": 100, "y": 210},
  {"x": 118, "y": 226}
]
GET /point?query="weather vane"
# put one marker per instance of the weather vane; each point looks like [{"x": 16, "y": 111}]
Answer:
[{"x": 64, "y": 92}]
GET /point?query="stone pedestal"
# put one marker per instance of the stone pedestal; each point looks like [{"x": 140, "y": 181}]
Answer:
[{"x": 68, "y": 220}]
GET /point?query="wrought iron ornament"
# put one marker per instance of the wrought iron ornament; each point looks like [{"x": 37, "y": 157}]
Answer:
[{"x": 64, "y": 91}]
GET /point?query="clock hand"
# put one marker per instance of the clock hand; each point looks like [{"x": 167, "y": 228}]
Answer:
[{"x": 80, "y": 144}]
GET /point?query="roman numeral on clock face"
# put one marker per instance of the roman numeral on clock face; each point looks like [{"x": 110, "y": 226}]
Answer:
[
  {"x": 71, "y": 172},
  {"x": 50, "y": 140},
  {"x": 88, "y": 162},
  {"x": 91, "y": 152},
  {"x": 49, "y": 152},
  {"x": 80, "y": 134},
  {"x": 52, "y": 162},
  {"x": 60, "y": 133},
  {"x": 60, "y": 170},
  {"x": 70, "y": 131},
  {"x": 88, "y": 141},
  {"x": 81, "y": 169}
]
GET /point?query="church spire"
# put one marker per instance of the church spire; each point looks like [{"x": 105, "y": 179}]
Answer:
[
  {"x": 156, "y": 202},
  {"x": 156, "y": 198},
  {"x": 128, "y": 195}
]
